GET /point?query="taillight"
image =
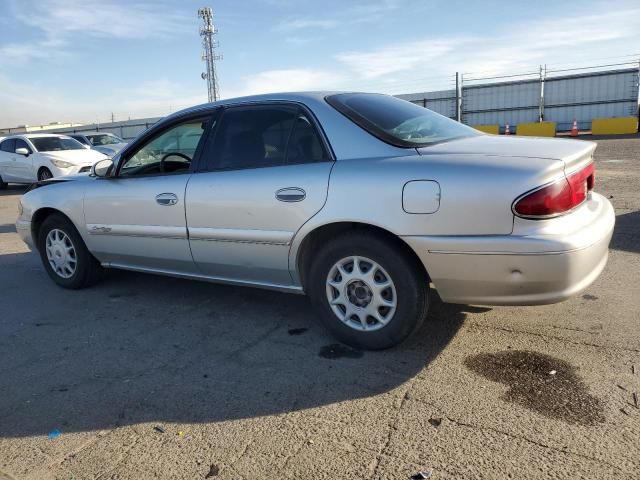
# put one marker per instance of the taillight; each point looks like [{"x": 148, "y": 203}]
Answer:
[{"x": 557, "y": 198}]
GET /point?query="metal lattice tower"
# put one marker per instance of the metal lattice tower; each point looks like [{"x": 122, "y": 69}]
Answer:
[{"x": 207, "y": 31}]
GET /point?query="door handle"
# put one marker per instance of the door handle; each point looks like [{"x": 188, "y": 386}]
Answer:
[
  {"x": 167, "y": 199},
  {"x": 291, "y": 194}
]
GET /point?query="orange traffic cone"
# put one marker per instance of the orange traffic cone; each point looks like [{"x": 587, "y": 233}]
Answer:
[
  {"x": 506, "y": 130},
  {"x": 574, "y": 128}
]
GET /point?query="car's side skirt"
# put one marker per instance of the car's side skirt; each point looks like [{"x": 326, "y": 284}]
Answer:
[{"x": 194, "y": 276}]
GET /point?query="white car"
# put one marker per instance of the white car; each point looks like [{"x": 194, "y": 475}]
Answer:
[{"x": 33, "y": 157}]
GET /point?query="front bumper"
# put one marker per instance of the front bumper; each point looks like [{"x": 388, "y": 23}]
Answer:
[
  {"x": 559, "y": 260},
  {"x": 23, "y": 227}
]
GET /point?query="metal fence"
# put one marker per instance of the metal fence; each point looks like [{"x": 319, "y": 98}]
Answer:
[{"x": 548, "y": 96}]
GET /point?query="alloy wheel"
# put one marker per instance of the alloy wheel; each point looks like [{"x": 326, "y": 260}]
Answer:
[
  {"x": 61, "y": 253},
  {"x": 361, "y": 293}
]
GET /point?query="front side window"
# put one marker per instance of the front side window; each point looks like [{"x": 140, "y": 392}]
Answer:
[
  {"x": 55, "y": 144},
  {"x": 22, "y": 144},
  {"x": 171, "y": 151},
  {"x": 265, "y": 136},
  {"x": 104, "y": 139},
  {"x": 398, "y": 122}
]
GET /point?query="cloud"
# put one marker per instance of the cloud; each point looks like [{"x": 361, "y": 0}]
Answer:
[
  {"x": 346, "y": 17},
  {"x": 397, "y": 58},
  {"x": 57, "y": 21},
  {"x": 290, "y": 80},
  {"x": 27, "y": 104}
]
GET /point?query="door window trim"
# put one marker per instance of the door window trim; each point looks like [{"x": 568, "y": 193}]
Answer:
[
  {"x": 204, "y": 166},
  {"x": 159, "y": 129}
]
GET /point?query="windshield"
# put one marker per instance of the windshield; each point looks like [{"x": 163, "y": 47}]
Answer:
[
  {"x": 398, "y": 122},
  {"x": 54, "y": 144},
  {"x": 104, "y": 139}
]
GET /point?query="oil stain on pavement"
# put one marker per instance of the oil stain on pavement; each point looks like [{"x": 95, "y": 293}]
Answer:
[{"x": 542, "y": 383}]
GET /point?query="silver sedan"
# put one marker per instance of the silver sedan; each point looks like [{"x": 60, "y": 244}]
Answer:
[{"x": 362, "y": 201}]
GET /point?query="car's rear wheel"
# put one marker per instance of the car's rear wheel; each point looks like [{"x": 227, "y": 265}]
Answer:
[
  {"x": 65, "y": 256},
  {"x": 3, "y": 184},
  {"x": 370, "y": 292},
  {"x": 44, "y": 174}
]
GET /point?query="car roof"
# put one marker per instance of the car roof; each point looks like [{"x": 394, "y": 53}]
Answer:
[
  {"x": 91, "y": 133},
  {"x": 283, "y": 96}
]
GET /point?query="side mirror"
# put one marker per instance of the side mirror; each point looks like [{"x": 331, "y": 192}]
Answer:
[
  {"x": 102, "y": 168},
  {"x": 23, "y": 151}
]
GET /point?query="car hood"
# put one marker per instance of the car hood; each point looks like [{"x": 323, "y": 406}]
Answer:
[
  {"x": 77, "y": 157},
  {"x": 568, "y": 151}
]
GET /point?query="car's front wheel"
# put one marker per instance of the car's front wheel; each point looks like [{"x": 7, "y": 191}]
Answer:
[
  {"x": 44, "y": 174},
  {"x": 370, "y": 292},
  {"x": 3, "y": 184},
  {"x": 65, "y": 256}
]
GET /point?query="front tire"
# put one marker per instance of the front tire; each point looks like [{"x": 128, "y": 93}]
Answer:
[
  {"x": 44, "y": 174},
  {"x": 65, "y": 256},
  {"x": 3, "y": 184},
  {"x": 370, "y": 292}
]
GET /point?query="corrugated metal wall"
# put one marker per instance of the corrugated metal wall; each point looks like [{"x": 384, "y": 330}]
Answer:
[
  {"x": 588, "y": 96},
  {"x": 584, "y": 96},
  {"x": 442, "y": 101},
  {"x": 501, "y": 103}
]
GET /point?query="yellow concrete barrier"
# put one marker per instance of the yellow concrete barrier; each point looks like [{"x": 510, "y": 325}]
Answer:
[
  {"x": 494, "y": 129},
  {"x": 537, "y": 129},
  {"x": 612, "y": 126}
]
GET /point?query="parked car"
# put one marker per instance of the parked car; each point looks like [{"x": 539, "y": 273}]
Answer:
[
  {"x": 359, "y": 200},
  {"x": 31, "y": 157},
  {"x": 103, "y": 142}
]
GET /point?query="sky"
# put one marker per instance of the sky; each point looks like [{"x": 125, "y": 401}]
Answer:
[{"x": 82, "y": 60}]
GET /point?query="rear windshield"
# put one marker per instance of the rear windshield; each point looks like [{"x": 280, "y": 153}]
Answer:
[
  {"x": 398, "y": 122},
  {"x": 54, "y": 144}
]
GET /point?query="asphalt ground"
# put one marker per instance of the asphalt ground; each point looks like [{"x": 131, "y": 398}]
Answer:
[{"x": 151, "y": 377}]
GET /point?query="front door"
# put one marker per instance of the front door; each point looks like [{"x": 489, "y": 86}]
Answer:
[
  {"x": 22, "y": 165},
  {"x": 137, "y": 218},
  {"x": 267, "y": 173},
  {"x": 7, "y": 152}
]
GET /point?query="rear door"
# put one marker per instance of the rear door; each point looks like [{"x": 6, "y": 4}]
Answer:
[{"x": 265, "y": 173}]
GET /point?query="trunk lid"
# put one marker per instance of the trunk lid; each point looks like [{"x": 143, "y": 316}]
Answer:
[{"x": 574, "y": 153}]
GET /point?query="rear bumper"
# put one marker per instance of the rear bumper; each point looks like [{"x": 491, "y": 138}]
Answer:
[{"x": 548, "y": 266}]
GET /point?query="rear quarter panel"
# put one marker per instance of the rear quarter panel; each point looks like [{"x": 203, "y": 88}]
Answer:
[{"x": 477, "y": 192}]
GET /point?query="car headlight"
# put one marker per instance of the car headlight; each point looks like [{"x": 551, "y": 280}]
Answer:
[{"x": 61, "y": 163}]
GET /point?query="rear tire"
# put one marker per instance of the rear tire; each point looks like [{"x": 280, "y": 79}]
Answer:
[
  {"x": 375, "y": 305},
  {"x": 44, "y": 174},
  {"x": 65, "y": 256},
  {"x": 3, "y": 184}
]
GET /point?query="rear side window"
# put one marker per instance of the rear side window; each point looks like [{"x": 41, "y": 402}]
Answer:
[
  {"x": 79, "y": 138},
  {"x": 265, "y": 136},
  {"x": 8, "y": 145},
  {"x": 398, "y": 122}
]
